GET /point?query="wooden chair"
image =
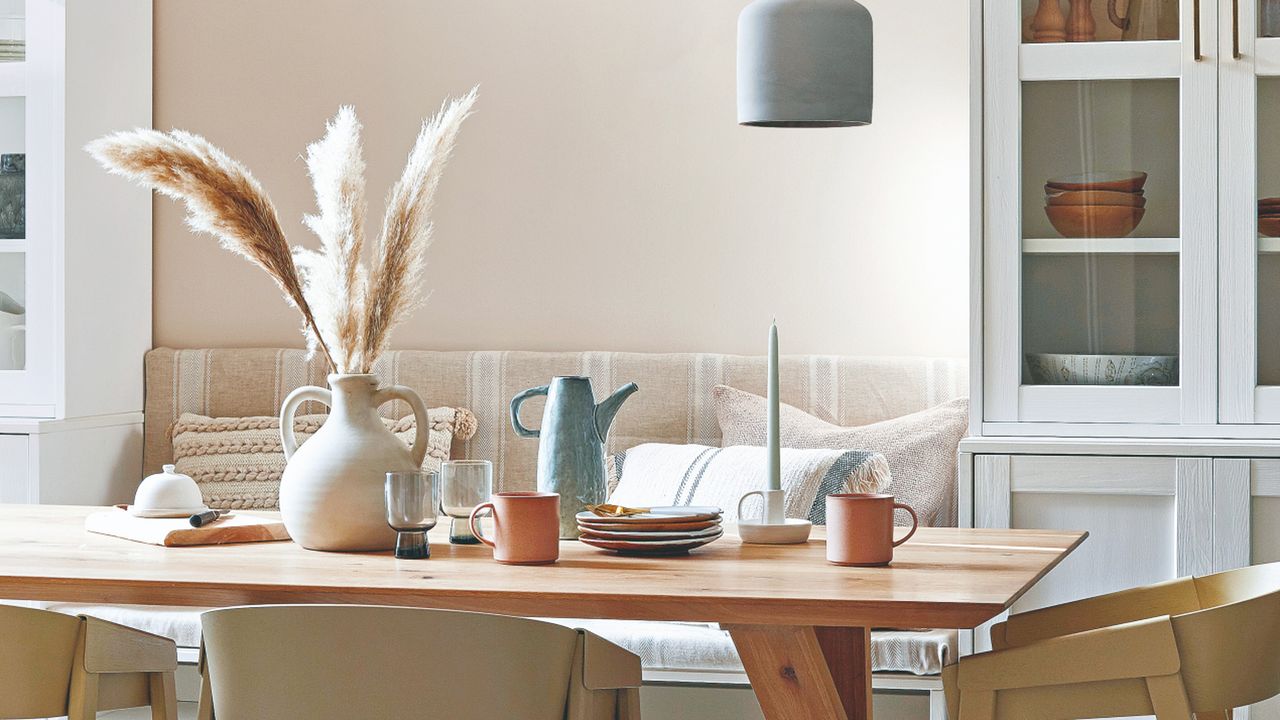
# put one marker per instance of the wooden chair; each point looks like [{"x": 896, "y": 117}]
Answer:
[
  {"x": 331, "y": 661},
  {"x": 53, "y": 665},
  {"x": 1194, "y": 646}
]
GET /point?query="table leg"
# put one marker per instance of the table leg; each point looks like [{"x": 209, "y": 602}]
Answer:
[{"x": 802, "y": 672}]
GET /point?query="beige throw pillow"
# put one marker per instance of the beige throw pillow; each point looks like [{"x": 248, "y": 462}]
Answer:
[
  {"x": 920, "y": 447},
  {"x": 238, "y": 461}
]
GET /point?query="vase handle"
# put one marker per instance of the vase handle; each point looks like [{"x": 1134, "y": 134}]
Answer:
[
  {"x": 407, "y": 394},
  {"x": 307, "y": 392}
]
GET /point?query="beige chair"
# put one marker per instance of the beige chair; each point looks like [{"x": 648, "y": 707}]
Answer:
[
  {"x": 1194, "y": 646},
  {"x": 53, "y": 664},
  {"x": 332, "y": 661}
]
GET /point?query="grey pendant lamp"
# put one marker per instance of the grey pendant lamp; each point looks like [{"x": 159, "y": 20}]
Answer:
[{"x": 804, "y": 63}]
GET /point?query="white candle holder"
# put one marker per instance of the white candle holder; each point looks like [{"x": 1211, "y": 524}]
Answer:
[{"x": 773, "y": 527}]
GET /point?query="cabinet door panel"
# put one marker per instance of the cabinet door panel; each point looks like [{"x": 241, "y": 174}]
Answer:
[{"x": 13, "y": 469}]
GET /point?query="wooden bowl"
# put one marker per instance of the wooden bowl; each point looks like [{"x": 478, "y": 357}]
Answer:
[
  {"x": 1118, "y": 180},
  {"x": 1269, "y": 226},
  {"x": 1095, "y": 197},
  {"x": 1269, "y": 202},
  {"x": 1094, "y": 221}
]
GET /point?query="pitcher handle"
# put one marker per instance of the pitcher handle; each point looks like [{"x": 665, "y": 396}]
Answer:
[
  {"x": 407, "y": 394},
  {"x": 517, "y": 401},
  {"x": 915, "y": 522},
  {"x": 288, "y": 441}
]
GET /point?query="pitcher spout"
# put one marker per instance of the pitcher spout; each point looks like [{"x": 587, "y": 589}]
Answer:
[{"x": 608, "y": 408}]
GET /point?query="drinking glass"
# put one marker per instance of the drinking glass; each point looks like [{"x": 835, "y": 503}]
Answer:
[
  {"x": 411, "y": 511},
  {"x": 464, "y": 485}
]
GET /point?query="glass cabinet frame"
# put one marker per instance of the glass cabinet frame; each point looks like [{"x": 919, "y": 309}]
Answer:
[{"x": 1008, "y": 62}]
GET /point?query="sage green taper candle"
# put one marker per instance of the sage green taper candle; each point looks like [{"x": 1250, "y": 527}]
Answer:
[{"x": 775, "y": 451}]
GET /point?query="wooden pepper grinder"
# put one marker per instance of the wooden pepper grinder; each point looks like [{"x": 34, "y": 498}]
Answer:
[
  {"x": 1049, "y": 25},
  {"x": 1080, "y": 25}
]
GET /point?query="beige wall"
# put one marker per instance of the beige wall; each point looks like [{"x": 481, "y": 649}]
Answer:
[{"x": 602, "y": 197}]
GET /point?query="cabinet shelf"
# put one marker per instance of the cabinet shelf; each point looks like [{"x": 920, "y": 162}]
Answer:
[
  {"x": 13, "y": 246},
  {"x": 1268, "y": 244},
  {"x": 1127, "y": 245},
  {"x": 1130, "y": 60}
]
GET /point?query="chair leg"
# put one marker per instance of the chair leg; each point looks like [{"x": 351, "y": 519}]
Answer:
[
  {"x": 82, "y": 704},
  {"x": 1169, "y": 697},
  {"x": 204, "y": 711},
  {"x": 951, "y": 691},
  {"x": 164, "y": 696}
]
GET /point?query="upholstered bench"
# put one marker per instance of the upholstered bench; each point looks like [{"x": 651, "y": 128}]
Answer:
[{"x": 674, "y": 406}]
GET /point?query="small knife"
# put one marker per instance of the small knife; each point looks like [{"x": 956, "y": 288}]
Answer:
[{"x": 206, "y": 517}]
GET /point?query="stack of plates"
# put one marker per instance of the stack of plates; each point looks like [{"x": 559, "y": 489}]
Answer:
[{"x": 661, "y": 531}]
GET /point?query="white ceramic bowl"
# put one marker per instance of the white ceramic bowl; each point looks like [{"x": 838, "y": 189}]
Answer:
[
  {"x": 1076, "y": 369},
  {"x": 167, "y": 494}
]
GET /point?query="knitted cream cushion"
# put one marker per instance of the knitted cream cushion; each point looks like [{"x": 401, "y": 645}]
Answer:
[
  {"x": 920, "y": 447},
  {"x": 238, "y": 461}
]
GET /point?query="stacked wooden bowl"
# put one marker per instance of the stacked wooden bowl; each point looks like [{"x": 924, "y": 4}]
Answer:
[
  {"x": 1106, "y": 204},
  {"x": 1269, "y": 217}
]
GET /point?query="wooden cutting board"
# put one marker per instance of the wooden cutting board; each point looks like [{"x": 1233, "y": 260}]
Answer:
[{"x": 238, "y": 527}]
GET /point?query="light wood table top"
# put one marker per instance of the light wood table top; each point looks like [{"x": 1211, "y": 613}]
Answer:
[{"x": 942, "y": 577}]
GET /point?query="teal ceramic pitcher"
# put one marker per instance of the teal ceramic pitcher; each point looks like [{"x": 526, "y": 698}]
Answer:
[{"x": 571, "y": 442}]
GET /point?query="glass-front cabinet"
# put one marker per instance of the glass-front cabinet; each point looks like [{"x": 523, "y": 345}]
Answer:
[{"x": 1100, "y": 250}]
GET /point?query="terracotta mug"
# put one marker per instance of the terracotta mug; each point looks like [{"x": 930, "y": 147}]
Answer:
[
  {"x": 860, "y": 528},
  {"x": 526, "y": 527}
]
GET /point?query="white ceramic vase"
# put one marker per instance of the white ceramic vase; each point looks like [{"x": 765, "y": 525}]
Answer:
[{"x": 331, "y": 494}]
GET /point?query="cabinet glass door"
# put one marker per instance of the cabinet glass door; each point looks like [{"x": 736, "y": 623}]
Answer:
[
  {"x": 1249, "y": 217},
  {"x": 1097, "y": 145},
  {"x": 26, "y": 249}
]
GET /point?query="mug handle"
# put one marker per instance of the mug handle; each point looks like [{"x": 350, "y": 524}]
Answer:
[
  {"x": 744, "y": 499},
  {"x": 915, "y": 522},
  {"x": 475, "y": 527}
]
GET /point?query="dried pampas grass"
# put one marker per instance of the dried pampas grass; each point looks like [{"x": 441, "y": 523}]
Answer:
[
  {"x": 348, "y": 311},
  {"x": 222, "y": 199},
  {"x": 395, "y": 284}
]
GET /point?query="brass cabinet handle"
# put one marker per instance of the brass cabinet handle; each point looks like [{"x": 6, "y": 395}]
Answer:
[{"x": 1195, "y": 22}]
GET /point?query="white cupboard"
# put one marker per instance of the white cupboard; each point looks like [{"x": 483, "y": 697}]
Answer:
[{"x": 1126, "y": 272}]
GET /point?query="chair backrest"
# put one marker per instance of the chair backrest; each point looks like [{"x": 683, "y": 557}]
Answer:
[
  {"x": 1229, "y": 648},
  {"x": 329, "y": 661},
  {"x": 36, "y": 652}
]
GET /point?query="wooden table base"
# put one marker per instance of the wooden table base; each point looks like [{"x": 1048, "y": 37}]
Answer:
[{"x": 800, "y": 672}]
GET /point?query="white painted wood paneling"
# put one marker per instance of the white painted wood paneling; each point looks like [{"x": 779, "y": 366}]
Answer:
[
  {"x": 1092, "y": 475},
  {"x": 1195, "y": 516},
  {"x": 991, "y": 491},
  {"x": 1237, "y": 219},
  {"x": 1198, "y": 364},
  {"x": 1231, "y": 509},
  {"x": 14, "y": 470},
  {"x": 1101, "y": 60},
  {"x": 1131, "y": 542},
  {"x": 1100, "y": 403},
  {"x": 1002, "y": 202},
  {"x": 964, "y": 492}
]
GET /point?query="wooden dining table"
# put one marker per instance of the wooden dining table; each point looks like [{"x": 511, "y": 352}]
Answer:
[{"x": 801, "y": 625}]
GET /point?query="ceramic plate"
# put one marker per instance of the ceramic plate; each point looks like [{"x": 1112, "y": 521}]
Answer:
[
  {"x": 650, "y": 527},
  {"x": 685, "y": 513},
  {"x": 648, "y": 536},
  {"x": 660, "y": 547}
]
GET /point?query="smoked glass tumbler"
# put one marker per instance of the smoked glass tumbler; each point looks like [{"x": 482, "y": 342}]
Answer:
[
  {"x": 464, "y": 484},
  {"x": 412, "y": 499}
]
